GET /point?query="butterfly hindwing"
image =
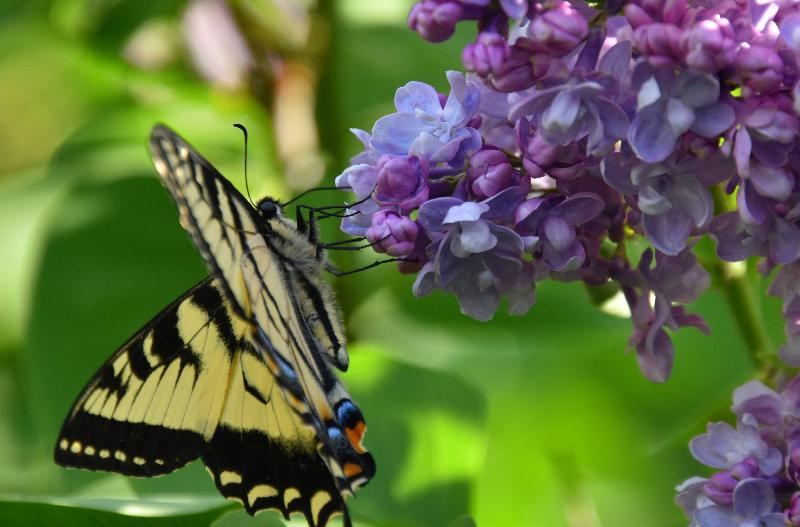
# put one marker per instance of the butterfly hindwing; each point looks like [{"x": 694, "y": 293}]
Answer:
[{"x": 190, "y": 384}]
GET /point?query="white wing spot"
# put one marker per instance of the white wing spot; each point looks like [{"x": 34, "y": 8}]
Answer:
[
  {"x": 76, "y": 447},
  {"x": 139, "y": 460},
  {"x": 64, "y": 444},
  {"x": 89, "y": 450},
  {"x": 119, "y": 454},
  {"x": 159, "y": 461},
  {"x": 105, "y": 453}
]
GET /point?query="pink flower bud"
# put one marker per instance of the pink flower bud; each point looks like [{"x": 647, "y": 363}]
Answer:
[
  {"x": 661, "y": 43},
  {"x": 435, "y": 21},
  {"x": 487, "y": 54},
  {"x": 392, "y": 234},
  {"x": 490, "y": 172},
  {"x": 710, "y": 45},
  {"x": 760, "y": 68},
  {"x": 402, "y": 182},
  {"x": 559, "y": 30}
]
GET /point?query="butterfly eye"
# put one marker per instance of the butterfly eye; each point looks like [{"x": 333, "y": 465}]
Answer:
[{"x": 268, "y": 208}]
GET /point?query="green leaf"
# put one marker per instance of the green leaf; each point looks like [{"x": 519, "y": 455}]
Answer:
[{"x": 40, "y": 513}]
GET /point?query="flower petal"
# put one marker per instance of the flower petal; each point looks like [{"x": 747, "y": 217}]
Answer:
[
  {"x": 476, "y": 237},
  {"x": 417, "y": 96},
  {"x": 753, "y": 498},
  {"x": 716, "y": 516},
  {"x": 559, "y": 233},
  {"x": 650, "y": 134},
  {"x": 466, "y": 211},
  {"x": 394, "y": 134},
  {"x": 668, "y": 231},
  {"x": 433, "y": 212},
  {"x": 463, "y": 101},
  {"x": 712, "y": 120},
  {"x": 579, "y": 208}
]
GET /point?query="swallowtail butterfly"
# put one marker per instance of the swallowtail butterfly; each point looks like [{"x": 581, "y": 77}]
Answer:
[{"x": 239, "y": 370}]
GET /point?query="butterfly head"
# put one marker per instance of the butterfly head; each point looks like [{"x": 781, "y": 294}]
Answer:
[{"x": 269, "y": 208}]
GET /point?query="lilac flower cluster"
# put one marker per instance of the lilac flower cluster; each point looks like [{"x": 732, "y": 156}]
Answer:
[
  {"x": 579, "y": 128},
  {"x": 758, "y": 462}
]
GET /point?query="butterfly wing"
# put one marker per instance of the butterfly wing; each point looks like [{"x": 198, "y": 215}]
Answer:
[
  {"x": 260, "y": 283},
  {"x": 189, "y": 385}
]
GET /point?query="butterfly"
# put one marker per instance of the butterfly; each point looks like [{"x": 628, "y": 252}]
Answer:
[{"x": 238, "y": 371}]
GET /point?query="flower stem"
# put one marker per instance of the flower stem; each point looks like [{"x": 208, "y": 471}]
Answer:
[{"x": 735, "y": 283}]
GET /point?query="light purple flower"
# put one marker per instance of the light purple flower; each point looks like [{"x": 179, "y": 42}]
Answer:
[
  {"x": 669, "y": 106},
  {"x": 474, "y": 256},
  {"x": 423, "y": 128},
  {"x": 761, "y": 406},
  {"x": 540, "y": 158},
  {"x": 672, "y": 196},
  {"x": 548, "y": 228},
  {"x": 761, "y": 146},
  {"x": 754, "y": 505},
  {"x": 786, "y": 285},
  {"x": 790, "y": 30},
  {"x": 723, "y": 446},
  {"x": 567, "y": 110},
  {"x": 495, "y": 128},
  {"x": 691, "y": 497},
  {"x": 770, "y": 235},
  {"x": 361, "y": 180},
  {"x": 673, "y": 279}
]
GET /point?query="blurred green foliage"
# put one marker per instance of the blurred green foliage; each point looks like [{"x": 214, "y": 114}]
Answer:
[{"x": 534, "y": 421}]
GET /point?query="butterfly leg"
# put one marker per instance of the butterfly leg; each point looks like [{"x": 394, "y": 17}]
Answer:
[{"x": 337, "y": 273}]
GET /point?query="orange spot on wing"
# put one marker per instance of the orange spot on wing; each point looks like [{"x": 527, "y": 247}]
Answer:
[
  {"x": 351, "y": 470},
  {"x": 356, "y": 435}
]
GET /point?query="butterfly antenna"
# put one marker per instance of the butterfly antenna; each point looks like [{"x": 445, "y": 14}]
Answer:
[
  {"x": 246, "y": 185},
  {"x": 309, "y": 191}
]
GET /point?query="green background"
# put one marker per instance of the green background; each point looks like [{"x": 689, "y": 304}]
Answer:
[{"x": 542, "y": 420}]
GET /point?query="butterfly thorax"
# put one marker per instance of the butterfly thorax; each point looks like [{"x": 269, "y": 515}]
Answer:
[{"x": 305, "y": 265}]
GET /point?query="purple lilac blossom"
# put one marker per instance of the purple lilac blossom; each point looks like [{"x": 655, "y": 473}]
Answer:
[
  {"x": 474, "y": 256},
  {"x": 579, "y": 130},
  {"x": 654, "y": 295},
  {"x": 672, "y": 196},
  {"x": 758, "y": 462},
  {"x": 424, "y": 128},
  {"x": 753, "y": 504}
]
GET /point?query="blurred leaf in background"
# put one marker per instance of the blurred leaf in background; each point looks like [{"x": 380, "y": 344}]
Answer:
[{"x": 539, "y": 421}]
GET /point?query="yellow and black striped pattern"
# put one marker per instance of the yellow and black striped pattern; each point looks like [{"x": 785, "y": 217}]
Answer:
[{"x": 237, "y": 371}]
